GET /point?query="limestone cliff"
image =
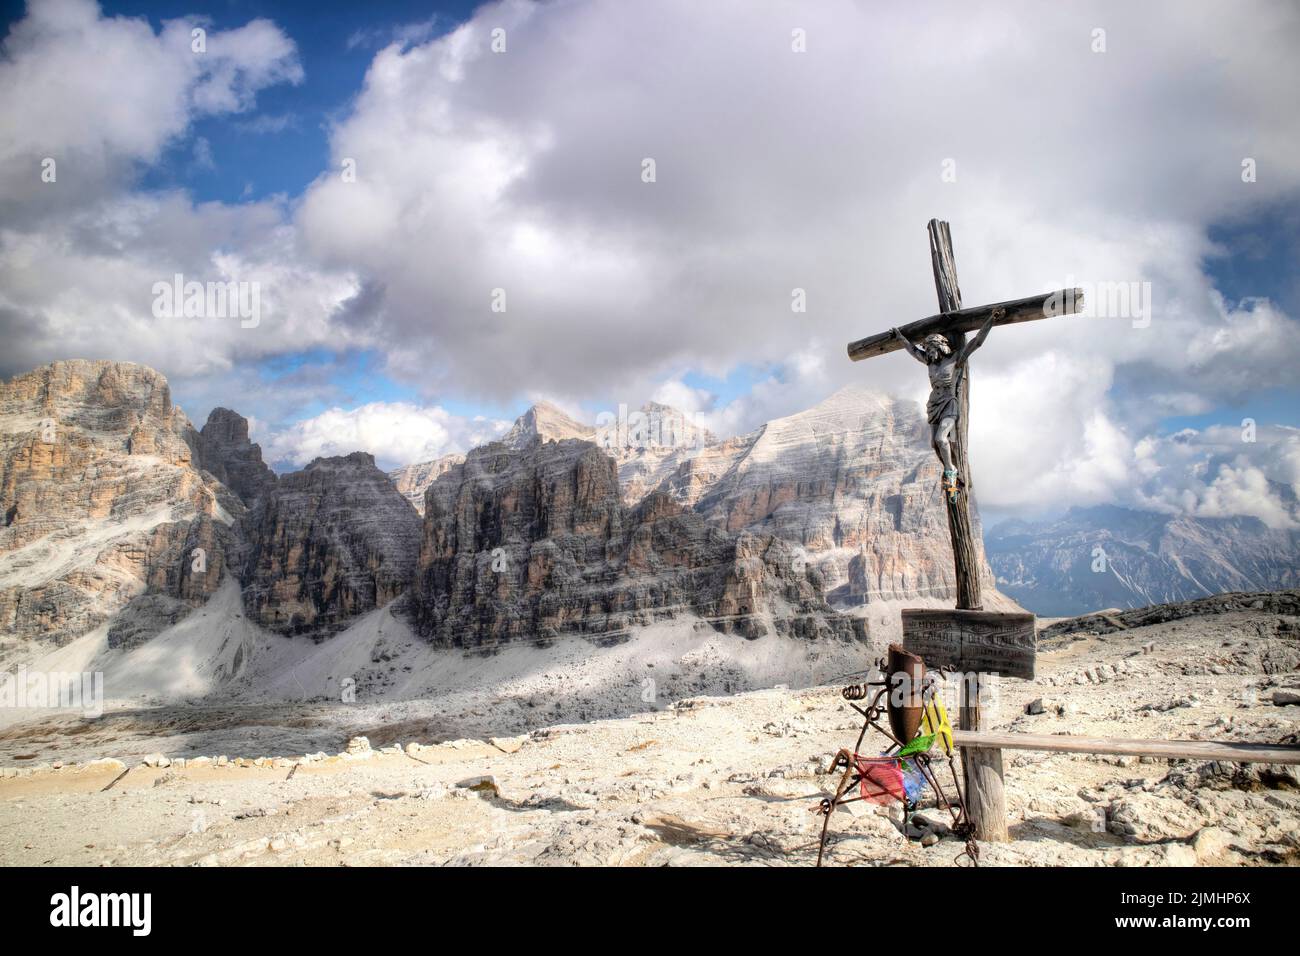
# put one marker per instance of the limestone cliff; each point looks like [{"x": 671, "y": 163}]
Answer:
[
  {"x": 852, "y": 482},
  {"x": 102, "y": 503},
  {"x": 222, "y": 449},
  {"x": 328, "y": 543},
  {"x": 523, "y": 544},
  {"x": 650, "y": 444}
]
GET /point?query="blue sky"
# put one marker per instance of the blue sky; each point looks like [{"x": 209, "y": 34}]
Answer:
[
  {"x": 777, "y": 171},
  {"x": 284, "y": 145}
]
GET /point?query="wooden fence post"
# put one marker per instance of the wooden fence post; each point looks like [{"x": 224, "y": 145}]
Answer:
[{"x": 986, "y": 802}]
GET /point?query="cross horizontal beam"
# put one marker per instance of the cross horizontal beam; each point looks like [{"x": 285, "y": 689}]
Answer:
[{"x": 1061, "y": 302}]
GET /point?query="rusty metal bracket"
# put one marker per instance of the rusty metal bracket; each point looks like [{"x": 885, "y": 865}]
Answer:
[{"x": 903, "y": 709}]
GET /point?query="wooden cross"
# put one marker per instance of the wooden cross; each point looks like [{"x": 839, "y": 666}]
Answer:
[
  {"x": 953, "y": 322},
  {"x": 969, "y": 640}
]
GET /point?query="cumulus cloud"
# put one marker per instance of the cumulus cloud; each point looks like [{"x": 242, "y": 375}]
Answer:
[
  {"x": 1221, "y": 471},
  {"x": 396, "y": 433},
  {"x": 775, "y": 171},
  {"x": 99, "y": 95},
  {"x": 417, "y": 31},
  {"x": 85, "y": 287},
  {"x": 80, "y": 256}
]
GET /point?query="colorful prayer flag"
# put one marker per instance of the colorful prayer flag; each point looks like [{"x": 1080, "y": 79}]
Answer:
[
  {"x": 935, "y": 722},
  {"x": 917, "y": 745},
  {"x": 881, "y": 780}
]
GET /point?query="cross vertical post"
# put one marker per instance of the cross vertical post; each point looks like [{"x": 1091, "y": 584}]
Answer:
[
  {"x": 965, "y": 552},
  {"x": 986, "y": 804}
]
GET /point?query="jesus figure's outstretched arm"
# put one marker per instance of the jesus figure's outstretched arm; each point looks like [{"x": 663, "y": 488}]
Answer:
[
  {"x": 976, "y": 342},
  {"x": 912, "y": 349}
]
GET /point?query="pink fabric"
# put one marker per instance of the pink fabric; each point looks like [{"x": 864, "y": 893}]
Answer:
[{"x": 881, "y": 778}]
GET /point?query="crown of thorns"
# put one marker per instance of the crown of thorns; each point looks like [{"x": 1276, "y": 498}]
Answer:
[{"x": 939, "y": 342}]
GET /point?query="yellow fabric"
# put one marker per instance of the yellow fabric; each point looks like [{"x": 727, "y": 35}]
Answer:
[{"x": 935, "y": 721}]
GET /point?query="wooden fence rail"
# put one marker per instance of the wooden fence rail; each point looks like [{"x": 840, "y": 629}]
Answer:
[{"x": 1188, "y": 749}]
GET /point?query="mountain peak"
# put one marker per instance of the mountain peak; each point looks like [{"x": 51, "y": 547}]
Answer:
[
  {"x": 655, "y": 428},
  {"x": 545, "y": 422},
  {"x": 362, "y": 460},
  {"x": 855, "y": 395},
  {"x": 227, "y": 423},
  {"x": 222, "y": 448}
]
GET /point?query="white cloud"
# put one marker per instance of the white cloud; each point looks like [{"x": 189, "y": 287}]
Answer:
[
  {"x": 396, "y": 433},
  {"x": 685, "y": 398},
  {"x": 104, "y": 97},
  {"x": 102, "y": 94},
  {"x": 203, "y": 154},
  {"x": 778, "y": 170},
  {"x": 402, "y": 34},
  {"x": 64, "y": 295},
  {"x": 775, "y": 170},
  {"x": 1221, "y": 471}
]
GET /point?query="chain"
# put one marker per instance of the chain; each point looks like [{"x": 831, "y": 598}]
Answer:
[{"x": 966, "y": 830}]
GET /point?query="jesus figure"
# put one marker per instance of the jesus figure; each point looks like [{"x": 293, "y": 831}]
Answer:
[{"x": 943, "y": 409}]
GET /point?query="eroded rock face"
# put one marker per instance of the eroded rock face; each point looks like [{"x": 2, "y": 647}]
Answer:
[
  {"x": 528, "y": 544},
  {"x": 328, "y": 543},
  {"x": 101, "y": 499},
  {"x": 414, "y": 480},
  {"x": 852, "y": 482},
  {"x": 222, "y": 448}
]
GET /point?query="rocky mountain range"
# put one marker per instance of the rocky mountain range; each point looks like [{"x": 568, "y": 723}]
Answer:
[
  {"x": 851, "y": 483},
  {"x": 527, "y": 544},
  {"x": 121, "y": 518},
  {"x": 1109, "y": 557}
]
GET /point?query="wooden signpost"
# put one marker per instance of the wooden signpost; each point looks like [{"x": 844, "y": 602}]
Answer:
[
  {"x": 972, "y": 641},
  {"x": 968, "y": 640}
]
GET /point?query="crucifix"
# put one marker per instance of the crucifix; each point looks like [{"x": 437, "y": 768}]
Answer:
[{"x": 968, "y": 639}]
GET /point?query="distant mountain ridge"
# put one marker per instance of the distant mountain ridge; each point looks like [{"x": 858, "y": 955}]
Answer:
[
  {"x": 1106, "y": 556},
  {"x": 119, "y": 514},
  {"x": 851, "y": 483},
  {"x": 121, "y": 518}
]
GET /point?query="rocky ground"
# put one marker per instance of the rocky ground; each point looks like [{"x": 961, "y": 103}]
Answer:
[{"x": 712, "y": 780}]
